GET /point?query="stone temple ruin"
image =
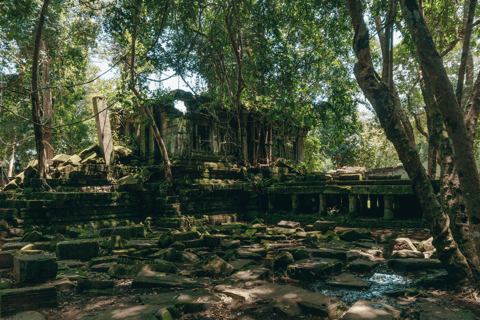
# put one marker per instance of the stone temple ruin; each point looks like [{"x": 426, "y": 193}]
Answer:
[{"x": 224, "y": 239}]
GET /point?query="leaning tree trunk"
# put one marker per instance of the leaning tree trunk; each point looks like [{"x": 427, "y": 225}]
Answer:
[
  {"x": 464, "y": 159},
  {"x": 156, "y": 132},
  {"x": 12, "y": 158},
  {"x": 35, "y": 97},
  {"x": 381, "y": 97}
]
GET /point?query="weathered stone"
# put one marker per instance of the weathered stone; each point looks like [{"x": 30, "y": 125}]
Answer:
[
  {"x": 164, "y": 241},
  {"x": 193, "y": 243},
  {"x": 289, "y": 224},
  {"x": 6, "y": 259},
  {"x": 217, "y": 267},
  {"x": 363, "y": 266},
  {"x": 407, "y": 254},
  {"x": 285, "y": 299},
  {"x": 251, "y": 273},
  {"x": 354, "y": 234},
  {"x": 129, "y": 183},
  {"x": 214, "y": 240},
  {"x": 29, "y": 315},
  {"x": 14, "y": 246},
  {"x": 286, "y": 231},
  {"x": 414, "y": 264},
  {"x": 183, "y": 236},
  {"x": 132, "y": 313},
  {"x": 169, "y": 254},
  {"x": 431, "y": 311},
  {"x": 103, "y": 267},
  {"x": 282, "y": 260},
  {"x": 313, "y": 268},
  {"x": 123, "y": 271},
  {"x": 88, "y": 284},
  {"x": 323, "y": 226},
  {"x": 363, "y": 309},
  {"x": 36, "y": 268},
  {"x": 83, "y": 250},
  {"x": 319, "y": 253},
  {"x": 178, "y": 298},
  {"x": 33, "y": 236},
  {"x": 24, "y": 299},
  {"x": 152, "y": 279},
  {"x": 386, "y": 237},
  {"x": 239, "y": 264},
  {"x": 63, "y": 285},
  {"x": 426, "y": 245},
  {"x": 349, "y": 281},
  {"x": 401, "y": 244}
]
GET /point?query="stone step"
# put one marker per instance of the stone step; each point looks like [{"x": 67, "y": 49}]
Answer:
[{"x": 25, "y": 299}]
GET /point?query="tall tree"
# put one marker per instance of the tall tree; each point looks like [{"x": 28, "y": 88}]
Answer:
[{"x": 381, "y": 96}]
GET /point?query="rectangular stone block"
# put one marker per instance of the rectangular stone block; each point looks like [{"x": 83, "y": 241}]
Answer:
[
  {"x": 25, "y": 299},
  {"x": 83, "y": 250},
  {"x": 35, "y": 268},
  {"x": 6, "y": 259}
]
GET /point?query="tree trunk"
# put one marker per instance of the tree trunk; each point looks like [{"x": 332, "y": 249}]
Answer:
[
  {"x": 47, "y": 106},
  {"x": 464, "y": 159},
  {"x": 381, "y": 97},
  {"x": 158, "y": 136},
  {"x": 35, "y": 96},
  {"x": 12, "y": 159}
]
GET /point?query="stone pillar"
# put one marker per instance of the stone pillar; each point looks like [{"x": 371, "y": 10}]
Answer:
[
  {"x": 300, "y": 145},
  {"x": 373, "y": 203},
  {"x": 381, "y": 205},
  {"x": 322, "y": 204},
  {"x": 352, "y": 205},
  {"x": 104, "y": 132},
  {"x": 362, "y": 210},
  {"x": 271, "y": 203},
  {"x": 388, "y": 210},
  {"x": 295, "y": 203}
]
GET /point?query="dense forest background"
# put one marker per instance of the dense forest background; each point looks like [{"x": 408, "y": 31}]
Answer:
[{"x": 292, "y": 57}]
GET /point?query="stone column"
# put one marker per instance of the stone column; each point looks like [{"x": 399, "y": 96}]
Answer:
[
  {"x": 104, "y": 132},
  {"x": 322, "y": 204},
  {"x": 381, "y": 205},
  {"x": 271, "y": 203},
  {"x": 352, "y": 205},
  {"x": 362, "y": 210},
  {"x": 295, "y": 203},
  {"x": 300, "y": 145},
  {"x": 388, "y": 210},
  {"x": 373, "y": 203}
]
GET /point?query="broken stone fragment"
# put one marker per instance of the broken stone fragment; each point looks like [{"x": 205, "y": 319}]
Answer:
[
  {"x": 217, "y": 267},
  {"x": 129, "y": 183},
  {"x": 29, "y": 315},
  {"x": 363, "y": 309},
  {"x": 407, "y": 254},
  {"x": 289, "y": 224},
  {"x": 87, "y": 284},
  {"x": 323, "y": 226},
  {"x": 405, "y": 265},
  {"x": 313, "y": 268},
  {"x": 401, "y": 244},
  {"x": 354, "y": 234},
  {"x": 349, "y": 281},
  {"x": 282, "y": 260},
  {"x": 184, "y": 236},
  {"x": 363, "y": 266},
  {"x": 426, "y": 245}
]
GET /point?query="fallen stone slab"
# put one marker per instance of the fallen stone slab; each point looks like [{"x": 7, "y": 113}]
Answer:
[
  {"x": 184, "y": 236},
  {"x": 286, "y": 231},
  {"x": 337, "y": 245},
  {"x": 407, "y": 254},
  {"x": 214, "y": 240},
  {"x": 363, "y": 266},
  {"x": 29, "y": 315},
  {"x": 103, "y": 267},
  {"x": 100, "y": 260},
  {"x": 349, "y": 281},
  {"x": 319, "y": 253},
  {"x": 14, "y": 246},
  {"x": 88, "y": 284},
  {"x": 289, "y": 224},
  {"x": 405, "y": 265},
  {"x": 39, "y": 267},
  {"x": 83, "y": 250},
  {"x": 178, "y": 298},
  {"x": 6, "y": 259},
  {"x": 63, "y": 285},
  {"x": 289, "y": 300},
  {"x": 27, "y": 299},
  {"x": 363, "y": 309},
  {"x": 354, "y": 234},
  {"x": 355, "y": 254},
  {"x": 313, "y": 268},
  {"x": 217, "y": 267},
  {"x": 132, "y": 313},
  {"x": 152, "y": 279},
  {"x": 240, "y": 264},
  {"x": 324, "y": 226},
  {"x": 431, "y": 311},
  {"x": 252, "y": 273},
  {"x": 124, "y": 271}
]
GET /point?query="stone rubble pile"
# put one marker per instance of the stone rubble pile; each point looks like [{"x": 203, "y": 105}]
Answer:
[{"x": 188, "y": 271}]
